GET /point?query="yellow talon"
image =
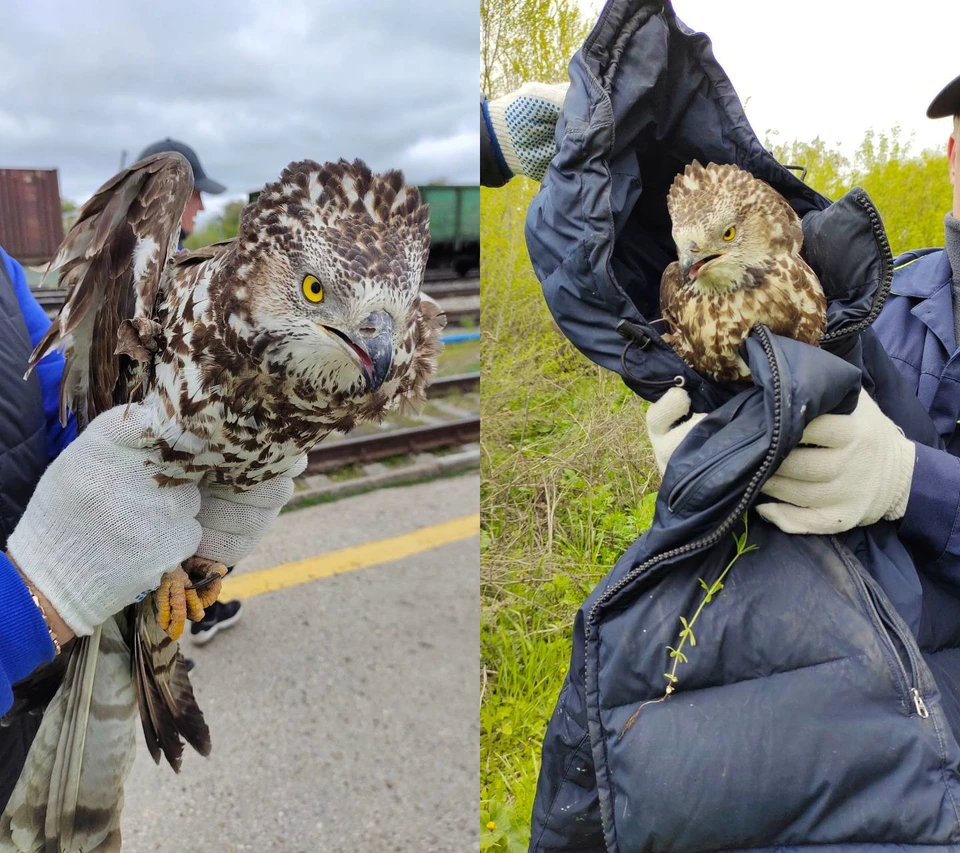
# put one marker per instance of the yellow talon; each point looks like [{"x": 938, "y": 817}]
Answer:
[
  {"x": 171, "y": 602},
  {"x": 194, "y": 607}
]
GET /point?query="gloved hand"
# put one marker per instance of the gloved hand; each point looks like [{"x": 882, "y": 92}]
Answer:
[
  {"x": 523, "y": 124},
  {"x": 665, "y": 434},
  {"x": 99, "y": 530},
  {"x": 859, "y": 472},
  {"x": 234, "y": 522}
]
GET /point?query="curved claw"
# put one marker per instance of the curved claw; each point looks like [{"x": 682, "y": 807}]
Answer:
[
  {"x": 211, "y": 592},
  {"x": 207, "y": 576}
]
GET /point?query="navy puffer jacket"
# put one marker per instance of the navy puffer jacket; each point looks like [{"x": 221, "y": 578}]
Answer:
[{"x": 807, "y": 714}]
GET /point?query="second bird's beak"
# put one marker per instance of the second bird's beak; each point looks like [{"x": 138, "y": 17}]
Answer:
[{"x": 691, "y": 261}]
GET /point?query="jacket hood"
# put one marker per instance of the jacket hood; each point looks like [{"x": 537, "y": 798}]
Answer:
[{"x": 646, "y": 98}]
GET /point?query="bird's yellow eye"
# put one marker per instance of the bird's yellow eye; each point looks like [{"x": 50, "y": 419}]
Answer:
[
  {"x": 312, "y": 289},
  {"x": 729, "y": 234}
]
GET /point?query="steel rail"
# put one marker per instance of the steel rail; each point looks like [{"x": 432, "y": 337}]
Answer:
[{"x": 362, "y": 449}]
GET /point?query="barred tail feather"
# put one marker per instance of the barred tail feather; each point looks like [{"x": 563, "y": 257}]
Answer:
[
  {"x": 168, "y": 709},
  {"x": 70, "y": 794}
]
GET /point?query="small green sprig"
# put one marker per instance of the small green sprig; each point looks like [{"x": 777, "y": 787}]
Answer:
[{"x": 686, "y": 632}]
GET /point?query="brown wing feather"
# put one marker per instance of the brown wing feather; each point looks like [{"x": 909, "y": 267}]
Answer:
[
  {"x": 111, "y": 263},
  {"x": 669, "y": 286},
  {"x": 427, "y": 345}
]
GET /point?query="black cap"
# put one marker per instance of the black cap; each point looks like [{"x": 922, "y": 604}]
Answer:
[
  {"x": 200, "y": 180},
  {"x": 947, "y": 103}
]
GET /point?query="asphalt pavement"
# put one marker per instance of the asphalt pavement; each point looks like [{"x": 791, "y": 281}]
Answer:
[{"x": 343, "y": 709}]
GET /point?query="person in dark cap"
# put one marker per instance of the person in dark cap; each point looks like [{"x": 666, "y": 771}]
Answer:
[
  {"x": 218, "y": 615},
  {"x": 201, "y": 182}
]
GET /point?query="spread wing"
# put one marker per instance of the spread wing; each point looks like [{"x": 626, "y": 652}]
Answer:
[{"x": 112, "y": 262}]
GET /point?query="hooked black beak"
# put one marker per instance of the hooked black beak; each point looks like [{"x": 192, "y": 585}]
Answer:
[{"x": 373, "y": 345}]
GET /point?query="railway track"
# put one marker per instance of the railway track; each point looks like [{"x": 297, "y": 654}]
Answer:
[
  {"x": 441, "y": 290},
  {"x": 363, "y": 449},
  {"x": 433, "y": 274},
  {"x": 465, "y": 383}
]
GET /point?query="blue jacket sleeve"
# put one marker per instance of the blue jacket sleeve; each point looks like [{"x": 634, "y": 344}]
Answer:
[
  {"x": 50, "y": 368},
  {"x": 25, "y": 641},
  {"x": 931, "y": 524}
]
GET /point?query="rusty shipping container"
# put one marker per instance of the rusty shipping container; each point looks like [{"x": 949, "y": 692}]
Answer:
[{"x": 31, "y": 224}]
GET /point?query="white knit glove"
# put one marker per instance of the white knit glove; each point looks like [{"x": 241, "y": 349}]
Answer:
[
  {"x": 665, "y": 434},
  {"x": 234, "y": 522},
  {"x": 98, "y": 530},
  {"x": 523, "y": 124},
  {"x": 858, "y": 472}
]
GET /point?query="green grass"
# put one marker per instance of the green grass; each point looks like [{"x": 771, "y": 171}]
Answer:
[
  {"x": 347, "y": 472},
  {"x": 567, "y": 484},
  {"x": 463, "y": 357}
]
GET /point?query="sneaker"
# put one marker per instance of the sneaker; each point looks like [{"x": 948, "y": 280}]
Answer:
[
  {"x": 188, "y": 664},
  {"x": 218, "y": 615}
]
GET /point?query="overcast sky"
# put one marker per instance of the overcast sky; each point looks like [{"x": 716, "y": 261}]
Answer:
[
  {"x": 832, "y": 68},
  {"x": 250, "y": 85}
]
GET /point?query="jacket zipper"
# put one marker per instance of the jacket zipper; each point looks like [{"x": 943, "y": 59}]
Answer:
[
  {"x": 677, "y": 499},
  {"x": 889, "y": 628},
  {"x": 731, "y": 520}
]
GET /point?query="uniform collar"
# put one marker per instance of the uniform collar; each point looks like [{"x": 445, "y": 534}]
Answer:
[
  {"x": 928, "y": 279},
  {"x": 921, "y": 277}
]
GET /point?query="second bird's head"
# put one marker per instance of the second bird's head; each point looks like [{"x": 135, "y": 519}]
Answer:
[{"x": 727, "y": 223}]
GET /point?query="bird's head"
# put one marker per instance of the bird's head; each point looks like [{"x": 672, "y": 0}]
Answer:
[
  {"x": 325, "y": 280},
  {"x": 727, "y": 222}
]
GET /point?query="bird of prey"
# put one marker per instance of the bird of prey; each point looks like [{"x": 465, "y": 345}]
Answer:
[
  {"x": 739, "y": 264},
  {"x": 246, "y": 354}
]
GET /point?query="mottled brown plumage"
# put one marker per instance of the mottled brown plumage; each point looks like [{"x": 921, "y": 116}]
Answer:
[
  {"x": 245, "y": 354},
  {"x": 739, "y": 246}
]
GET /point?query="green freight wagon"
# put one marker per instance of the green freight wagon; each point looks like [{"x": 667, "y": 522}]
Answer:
[{"x": 454, "y": 226}]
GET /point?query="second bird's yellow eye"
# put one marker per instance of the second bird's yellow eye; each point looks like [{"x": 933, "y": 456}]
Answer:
[
  {"x": 729, "y": 234},
  {"x": 312, "y": 289}
]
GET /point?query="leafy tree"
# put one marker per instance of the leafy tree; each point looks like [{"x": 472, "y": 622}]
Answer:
[
  {"x": 68, "y": 210},
  {"x": 223, "y": 226},
  {"x": 911, "y": 191},
  {"x": 523, "y": 40}
]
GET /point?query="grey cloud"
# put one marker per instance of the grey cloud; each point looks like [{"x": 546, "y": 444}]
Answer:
[{"x": 250, "y": 85}]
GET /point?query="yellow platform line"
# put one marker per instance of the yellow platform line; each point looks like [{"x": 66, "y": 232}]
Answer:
[{"x": 250, "y": 584}]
